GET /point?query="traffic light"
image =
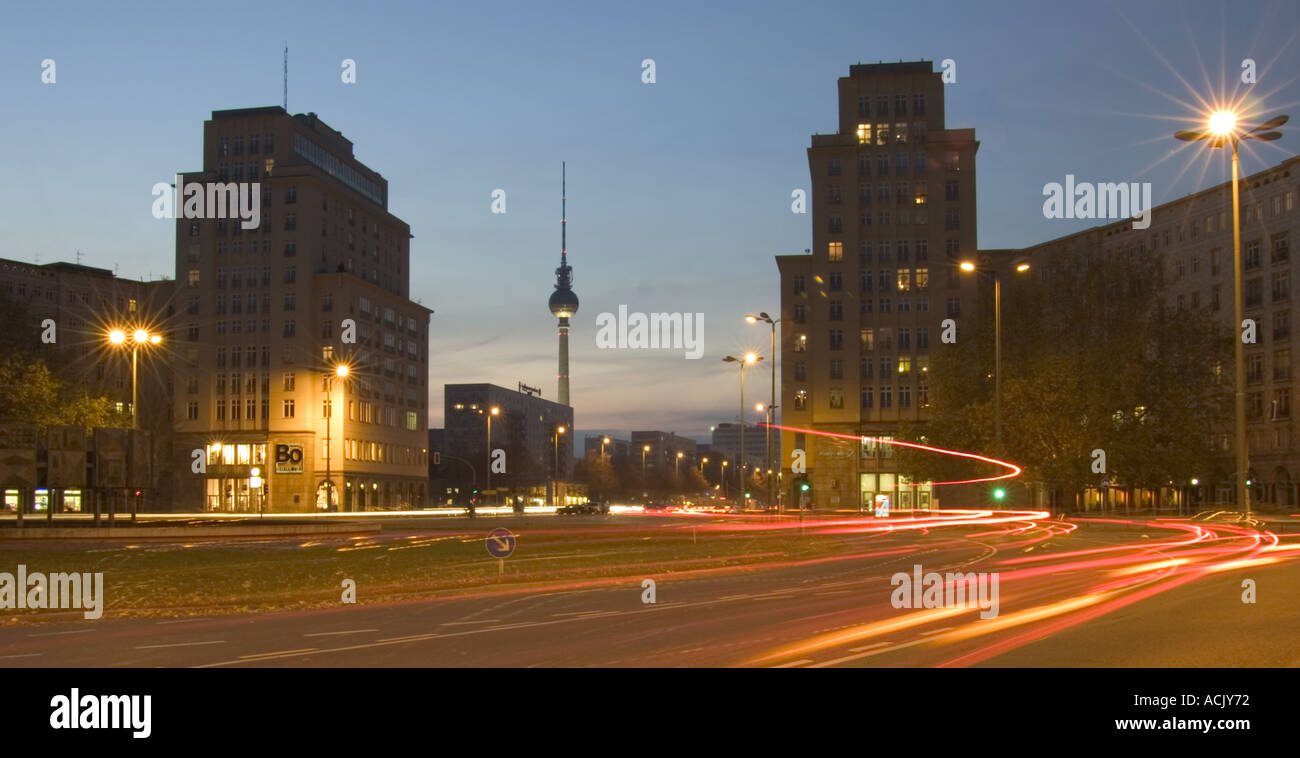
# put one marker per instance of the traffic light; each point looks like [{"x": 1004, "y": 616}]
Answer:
[
  {"x": 999, "y": 494},
  {"x": 804, "y": 486}
]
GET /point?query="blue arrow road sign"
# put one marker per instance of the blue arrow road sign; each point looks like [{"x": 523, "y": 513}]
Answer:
[{"x": 500, "y": 543}]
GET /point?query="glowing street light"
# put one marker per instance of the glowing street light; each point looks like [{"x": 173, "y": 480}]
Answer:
[
  {"x": 138, "y": 337},
  {"x": 1222, "y": 128},
  {"x": 1021, "y": 266},
  {"x": 748, "y": 359},
  {"x": 341, "y": 371}
]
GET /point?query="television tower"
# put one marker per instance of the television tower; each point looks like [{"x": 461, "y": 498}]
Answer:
[{"x": 563, "y": 302}]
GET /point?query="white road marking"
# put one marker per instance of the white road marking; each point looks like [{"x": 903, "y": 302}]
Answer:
[
  {"x": 934, "y": 631},
  {"x": 279, "y": 652},
  {"x": 350, "y": 631},
  {"x": 24, "y": 655},
  {"x": 868, "y": 654},
  {"x": 872, "y": 646},
  {"x": 792, "y": 664},
  {"x": 55, "y": 634},
  {"x": 180, "y": 644}
]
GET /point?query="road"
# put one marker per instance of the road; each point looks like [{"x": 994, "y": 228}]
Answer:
[{"x": 1092, "y": 593}]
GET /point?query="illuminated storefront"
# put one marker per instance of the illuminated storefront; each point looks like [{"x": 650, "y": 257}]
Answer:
[{"x": 236, "y": 477}]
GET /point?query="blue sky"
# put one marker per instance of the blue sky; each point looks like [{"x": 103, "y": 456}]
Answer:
[{"x": 679, "y": 191}]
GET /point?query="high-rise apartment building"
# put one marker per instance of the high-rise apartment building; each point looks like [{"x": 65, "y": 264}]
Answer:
[
  {"x": 1192, "y": 240},
  {"x": 893, "y": 213},
  {"x": 265, "y": 315}
]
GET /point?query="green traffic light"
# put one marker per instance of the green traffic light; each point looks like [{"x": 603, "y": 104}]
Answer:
[
  {"x": 999, "y": 493},
  {"x": 804, "y": 487}
]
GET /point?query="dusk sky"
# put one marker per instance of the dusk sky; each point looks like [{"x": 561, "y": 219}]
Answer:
[{"x": 679, "y": 191}]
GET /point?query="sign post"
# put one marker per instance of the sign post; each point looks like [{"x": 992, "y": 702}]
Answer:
[{"x": 500, "y": 544}]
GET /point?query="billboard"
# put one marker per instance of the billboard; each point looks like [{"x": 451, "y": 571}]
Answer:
[
  {"x": 110, "y": 457},
  {"x": 66, "y": 456},
  {"x": 18, "y": 456},
  {"x": 288, "y": 458}
]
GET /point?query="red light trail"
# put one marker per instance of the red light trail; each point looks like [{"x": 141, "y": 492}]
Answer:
[{"x": 1014, "y": 469}]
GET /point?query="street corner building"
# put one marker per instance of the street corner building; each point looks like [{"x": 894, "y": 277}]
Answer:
[
  {"x": 301, "y": 364},
  {"x": 893, "y": 214}
]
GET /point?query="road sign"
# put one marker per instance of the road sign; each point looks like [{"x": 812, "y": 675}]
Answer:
[{"x": 500, "y": 543}]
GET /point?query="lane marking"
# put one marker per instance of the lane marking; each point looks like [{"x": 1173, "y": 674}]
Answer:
[
  {"x": 868, "y": 654},
  {"x": 350, "y": 631},
  {"x": 408, "y": 638},
  {"x": 872, "y": 646},
  {"x": 24, "y": 655},
  {"x": 480, "y": 621},
  {"x": 180, "y": 644},
  {"x": 278, "y": 653},
  {"x": 55, "y": 634},
  {"x": 934, "y": 631},
  {"x": 181, "y": 621},
  {"x": 792, "y": 664}
]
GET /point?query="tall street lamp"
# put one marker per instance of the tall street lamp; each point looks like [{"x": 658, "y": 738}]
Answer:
[
  {"x": 341, "y": 371},
  {"x": 644, "y": 449},
  {"x": 138, "y": 338},
  {"x": 556, "y": 486},
  {"x": 762, "y": 316},
  {"x": 1021, "y": 266},
  {"x": 493, "y": 411},
  {"x": 748, "y": 359},
  {"x": 603, "y": 442},
  {"x": 768, "y": 412},
  {"x": 1222, "y": 129}
]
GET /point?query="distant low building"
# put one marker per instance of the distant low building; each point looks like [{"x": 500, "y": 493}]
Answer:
[
  {"x": 726, "y": 442},
  {"x": 534, "y": 435}
]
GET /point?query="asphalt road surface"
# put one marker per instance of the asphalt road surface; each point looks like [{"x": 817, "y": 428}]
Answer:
[{"x": 1070, "y": 593}]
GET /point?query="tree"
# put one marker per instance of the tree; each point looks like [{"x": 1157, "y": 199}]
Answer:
[
  {"x": 1092, "y": 360},
  {"x": 31, "y": 393},
  {"x": 598, "y": 474}
]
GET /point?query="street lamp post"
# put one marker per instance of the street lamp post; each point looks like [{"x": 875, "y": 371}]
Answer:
[
  {"x": 138, "y": 337},
  {"x": 762, "y": 316},
  {"x": 1222, "y": 129},
  {"x": 117, "y": 337},
  {"x": 1022, "y": 266},
  {"x": 748, "y": 359},
  {"x": 724, "y": 479},
  {"x": 493, "y": 411},
  {"x": 603, "y": 442},
  {"x": 768, "y": 412},
  {"x": 555, "y": 487},
  {"x": 341, "y": 371}
]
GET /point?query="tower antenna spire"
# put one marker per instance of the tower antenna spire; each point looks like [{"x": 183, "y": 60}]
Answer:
[
  {"x": 564, "y": 214},
  {"x": 563, "y": 302},
  {"x": 286, "y": 76}
]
